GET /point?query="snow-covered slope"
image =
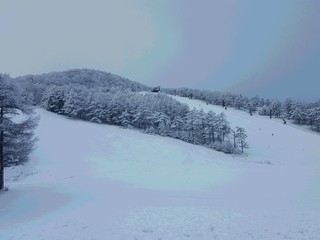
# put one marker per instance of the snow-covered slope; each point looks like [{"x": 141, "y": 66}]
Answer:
[
  {"x": 89, "y": 181},
  {"x": 269, "y": 140}
]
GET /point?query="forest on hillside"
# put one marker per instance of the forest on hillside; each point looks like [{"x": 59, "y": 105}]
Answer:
[
  {"x": 151, "y": 113},
  {"x": 299, "y": 112},
  {"x": 106, "y": 98},
  {"x": 102, "y": 97}
]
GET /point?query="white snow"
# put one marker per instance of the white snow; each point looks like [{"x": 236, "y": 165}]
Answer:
[{"x": 90, "y": 181}]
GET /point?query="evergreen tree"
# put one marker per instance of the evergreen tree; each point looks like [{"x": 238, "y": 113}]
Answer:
[
  {"x": 126, "y": 119},
  {"x": 298, "y": 115},
  {"x": 17, "y": 121},
  {"x": 241, "y": 136},
  {"x": 276, "y": 108},
  {"x": 212, "y": 126},
  {"x": 287, "y": 107},
  {"x": 314, "y": 118}
]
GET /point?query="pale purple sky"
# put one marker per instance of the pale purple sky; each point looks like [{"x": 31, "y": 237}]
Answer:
[{"x": 270, "y": 48}]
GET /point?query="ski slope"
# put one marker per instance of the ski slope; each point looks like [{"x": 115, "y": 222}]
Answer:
[{"x": 91, "y": 181}]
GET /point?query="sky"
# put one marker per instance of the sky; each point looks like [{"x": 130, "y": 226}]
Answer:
[{"x": 269, "y": 48}]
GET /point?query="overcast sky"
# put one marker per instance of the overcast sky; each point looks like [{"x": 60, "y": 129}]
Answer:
[{"x": 265, "y": 47}]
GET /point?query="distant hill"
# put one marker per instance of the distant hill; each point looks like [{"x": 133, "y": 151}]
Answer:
[
  {"x": 300, "y": 113},
  {"x": 87, "y": 77}
]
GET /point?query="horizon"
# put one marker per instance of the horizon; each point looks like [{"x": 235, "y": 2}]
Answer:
[{"x": 269, "y": 48}]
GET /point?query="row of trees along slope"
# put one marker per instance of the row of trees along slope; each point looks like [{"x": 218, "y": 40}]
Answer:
[
  {"x": 151, "y": 113},
  {"x": 300, "y": 113},
  {"x": 106, "y": 98},
  {"x": 17, "y": 121}
]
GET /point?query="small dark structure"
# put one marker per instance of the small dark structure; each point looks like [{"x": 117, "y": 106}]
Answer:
[
  {"x": 284, "y": 121},
  {"x": 156, "y": 89}
]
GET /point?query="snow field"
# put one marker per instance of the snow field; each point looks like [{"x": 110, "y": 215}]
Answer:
[{"x": 90, "y": 181}]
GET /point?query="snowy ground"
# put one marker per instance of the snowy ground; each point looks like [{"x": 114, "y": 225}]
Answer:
[{"x": 89, "y": 181}]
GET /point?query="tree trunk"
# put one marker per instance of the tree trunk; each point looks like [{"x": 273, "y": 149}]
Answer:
[
  {"x": 242, "y": 145},
  {"x": 1, "y": 152},
  {"x": 213, "y": 137}
]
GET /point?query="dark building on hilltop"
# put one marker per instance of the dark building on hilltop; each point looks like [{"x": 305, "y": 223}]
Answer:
[{"x": 156, "y": 89}]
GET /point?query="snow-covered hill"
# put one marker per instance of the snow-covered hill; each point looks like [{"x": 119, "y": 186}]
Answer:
[{"x": 90, "y": 181}]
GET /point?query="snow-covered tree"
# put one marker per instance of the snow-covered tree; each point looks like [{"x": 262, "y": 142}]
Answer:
[
  {"x": 287, "y": 107},
  {"x": 53, "y": 98},
  {"x": 276, "y": 108},
  {"x": 313, "y": 116},
  {"x": 298, "y": 115},
  {"x": 176, "y": 125},
  {"x": 189, "y": 126},
  {"x": 212, "y": 126},
  {"x": 126, "y": 119},
  {"x": 264, "y": 110},
  {"x": 17, "y": 121},
  {"x": 241, "y": 137}
]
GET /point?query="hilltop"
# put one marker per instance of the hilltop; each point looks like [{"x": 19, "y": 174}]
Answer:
[{"x": 86, "y": 77}]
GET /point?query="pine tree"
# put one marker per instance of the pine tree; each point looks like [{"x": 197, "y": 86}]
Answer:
[
  {"x": 125, "y": 119},
  {"x": 53, "y": 99},
  {"x": 276, "y": 108},
  {"x": 287, "y": 107},
  {"x": 189, "y": 126},
  {"x": 313, "y": 115},
  {"x": 241, "y": 136},
  {"x": 16, "y": 135},
  {"x": 176, "y": 126},
  {"x": 298, "y": 115},
  {"x": 212, "y": 126}
]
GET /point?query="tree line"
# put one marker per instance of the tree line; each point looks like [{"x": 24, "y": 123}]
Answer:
[
  {"x": 299, "y": 112},
  {"x": 151, "y": 113}
]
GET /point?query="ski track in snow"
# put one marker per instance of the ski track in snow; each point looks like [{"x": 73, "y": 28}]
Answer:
[{"x": 90, "y": 181}]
